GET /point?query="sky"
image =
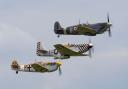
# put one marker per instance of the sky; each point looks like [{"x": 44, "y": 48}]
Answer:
[{"x": 25, "y": 22}]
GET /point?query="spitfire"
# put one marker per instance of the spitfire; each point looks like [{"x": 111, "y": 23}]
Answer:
[
  {"x": 65, "y": 51},
  {"x": 40, "y": 67},
  {"x": 84, "y": 29}
]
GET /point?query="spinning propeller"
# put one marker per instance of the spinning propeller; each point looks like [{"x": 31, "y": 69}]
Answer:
[
  {"x": 91, "y": 48},
  {"x": 108, "y": 22},
  {"x": 59, "y": 68},
  {"x": 60, "y": 72}
]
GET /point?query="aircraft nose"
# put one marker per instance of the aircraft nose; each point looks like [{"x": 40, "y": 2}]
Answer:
[
  {"x": 90, "y": 45},
  {"x": 59, "y": 63},
  {"x": 109, "y": 24}
]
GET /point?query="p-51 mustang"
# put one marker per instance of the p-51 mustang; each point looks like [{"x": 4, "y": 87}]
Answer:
[
  {"x": 83, "y": 29},
  {"x": 65, "y": 51},
  {"x": 40, "y": 67}
]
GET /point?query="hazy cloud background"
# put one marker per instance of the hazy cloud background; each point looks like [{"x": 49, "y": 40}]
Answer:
[{"x": 23, "y": 23}]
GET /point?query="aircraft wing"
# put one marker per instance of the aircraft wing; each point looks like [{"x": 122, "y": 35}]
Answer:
[
  {"x": 66, "y": 51},
  {"x": 39, "y": 68},
  {"x": 85, "y": 29}
]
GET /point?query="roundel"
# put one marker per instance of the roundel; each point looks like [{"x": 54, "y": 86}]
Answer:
[
  {"x": 55, "y": 51},
  {"x": 75, "y": 28}
]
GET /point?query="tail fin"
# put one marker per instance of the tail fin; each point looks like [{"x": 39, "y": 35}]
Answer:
[
  {"x": 57, "y": 28},
  {"x": 39, "y": 46},
  {"x": 15, "y": 65},
  {"x": 40, "y": 51}
]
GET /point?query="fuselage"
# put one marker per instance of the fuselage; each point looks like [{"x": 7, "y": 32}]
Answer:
[
  {"x": 75, "y": 30},
  {"x": 67, "y": 50},
  {"x": 37, "y": 67},
  {"x": 82, "y": 29}
]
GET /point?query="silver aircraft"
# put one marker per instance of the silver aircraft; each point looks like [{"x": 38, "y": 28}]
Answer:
[
  {"x": 64, "y": 51},
  {"x": 40, "y": 67}
]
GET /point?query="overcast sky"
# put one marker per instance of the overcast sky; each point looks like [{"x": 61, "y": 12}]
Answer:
[{"x": 25, "y": 22}]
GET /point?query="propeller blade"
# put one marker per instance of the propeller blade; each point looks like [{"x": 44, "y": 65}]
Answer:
[
  {"x": 90, "y": 49},
  {"x": 109, "y": 32},
  {"x": 60, "y": 72},
  {"x": 90, "y": 53},
  {"x": 108, "y": 17}
]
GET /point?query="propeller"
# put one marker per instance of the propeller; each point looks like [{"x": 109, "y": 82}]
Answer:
[
  {"x": 91, "y": 49},
  {"x": 90, "y": 53},
  {"x": 59, "y": 68},
  {"x": 108, "y": 17},
  {"x": 79, "y": 21},
  {"x": 60, "y": 72},
  {"x": 109, "y": 30}
]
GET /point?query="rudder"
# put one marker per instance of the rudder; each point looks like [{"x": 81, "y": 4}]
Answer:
[
  {"x": 40, "y": 49},
  {"x": 14, "y": 65},
  {"x": 57, "y": 28}
]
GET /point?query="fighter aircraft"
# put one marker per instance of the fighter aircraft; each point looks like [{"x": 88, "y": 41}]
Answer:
[
  {"x": 65, "y": 51},
  {"x": 84, "y": 29},
  {"x": 40, "y": 67}
]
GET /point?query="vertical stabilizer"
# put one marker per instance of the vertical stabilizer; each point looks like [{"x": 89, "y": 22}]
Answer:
[
  {"x": 40, "y": 51},
  {"x": 58, "y": 29}
]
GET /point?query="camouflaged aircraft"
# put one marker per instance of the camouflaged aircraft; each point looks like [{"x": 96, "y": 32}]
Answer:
[
  {"x": 84, "y": 29},
  {"x": 65, "y": 51},
  {"x": 40, "y": 67}
]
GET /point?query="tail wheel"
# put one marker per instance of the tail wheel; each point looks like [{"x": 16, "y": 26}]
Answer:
[
  {"x": 58, "y": 36},
  {"x": 16, "y": 72}
]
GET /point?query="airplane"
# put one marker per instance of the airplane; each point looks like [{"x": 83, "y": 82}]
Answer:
[
  {"x": 84, "y": 29},
  {"x": 40, "y": 67},
  {"x": 65, "y": 51}
]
